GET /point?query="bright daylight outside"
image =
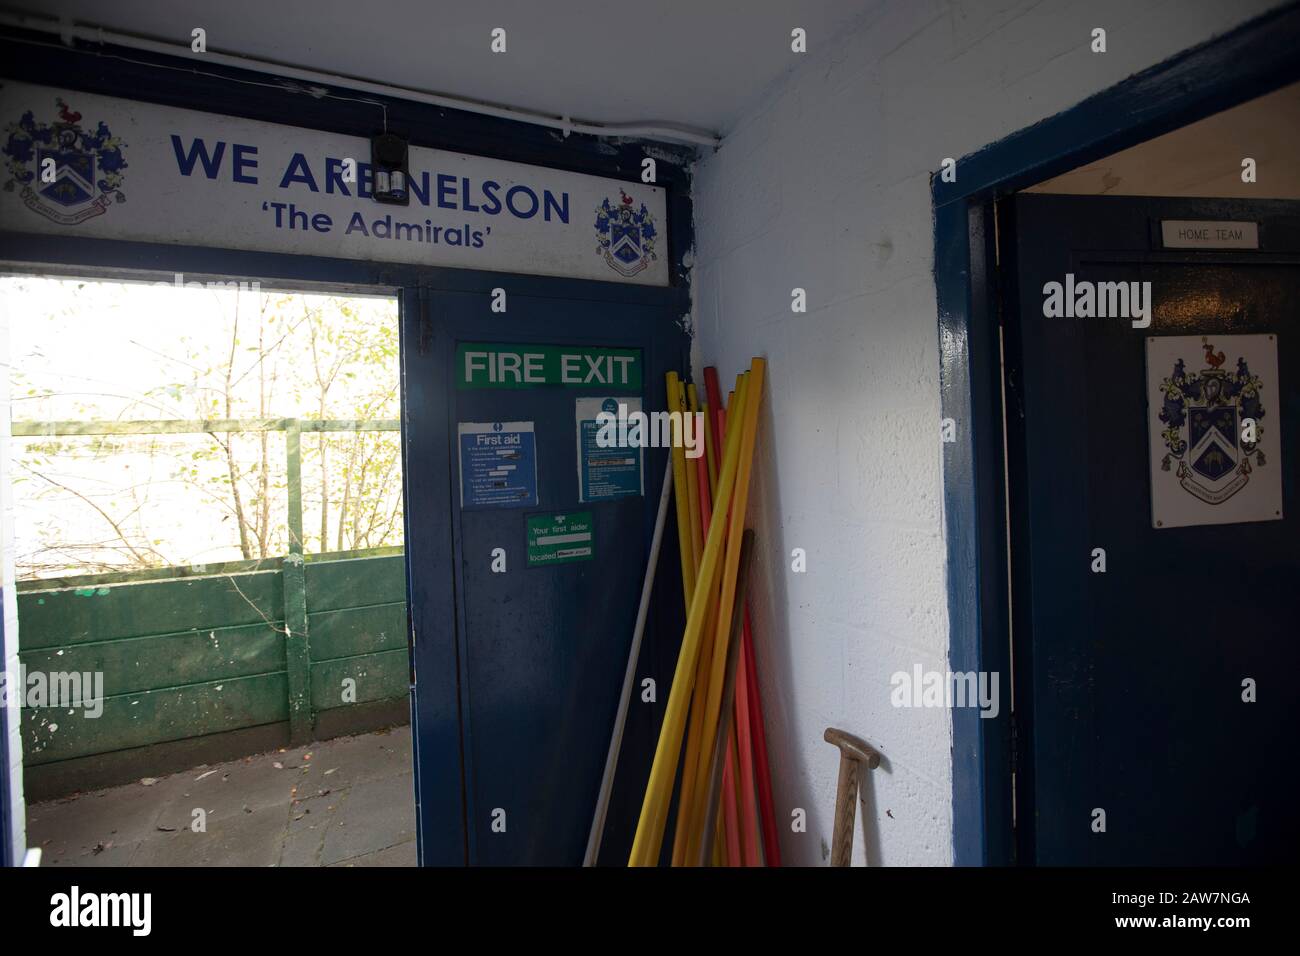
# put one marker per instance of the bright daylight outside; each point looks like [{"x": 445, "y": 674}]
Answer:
[{"x": 207, "y": 491}]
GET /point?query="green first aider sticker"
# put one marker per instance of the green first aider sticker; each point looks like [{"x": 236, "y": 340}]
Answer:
[{"x": 559, "y": 538}]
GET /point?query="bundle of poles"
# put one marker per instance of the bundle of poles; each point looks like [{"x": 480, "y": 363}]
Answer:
[{"x": 712, "y": 749}]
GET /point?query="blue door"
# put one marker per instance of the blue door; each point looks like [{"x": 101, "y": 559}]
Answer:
[
  {"x": 524, "y": 584},
  {"x": 1154, "y": 694}
]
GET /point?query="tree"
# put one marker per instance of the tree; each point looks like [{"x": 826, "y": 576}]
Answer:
[{"x": 126, "y": 502}]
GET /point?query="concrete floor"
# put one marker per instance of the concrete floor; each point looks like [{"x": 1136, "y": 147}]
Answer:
[{"x": 342, "y": 802}]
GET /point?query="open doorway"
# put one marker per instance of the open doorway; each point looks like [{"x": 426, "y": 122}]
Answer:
[
  {"x": 1121, "y": 666},
  {"x": 1151, "y": 369},
  {"x": 207, "y": 481}
]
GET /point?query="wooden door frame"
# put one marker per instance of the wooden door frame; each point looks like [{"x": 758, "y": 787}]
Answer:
[{"x": 1256, "y": 58}]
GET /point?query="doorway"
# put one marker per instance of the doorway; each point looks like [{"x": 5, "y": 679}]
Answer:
[
  {"x": 526, "y": 574},
  {"x": 212, "y": 597},
  {"x": 1153, "y": 552},
  {"x": 1165, "y": 430},
  {"x": 1107, "y": 701}
]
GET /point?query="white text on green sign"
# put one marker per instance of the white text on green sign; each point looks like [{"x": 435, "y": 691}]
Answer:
[
  {"x": 560, "y": 538},
  {"x": 501, "y": 365}
]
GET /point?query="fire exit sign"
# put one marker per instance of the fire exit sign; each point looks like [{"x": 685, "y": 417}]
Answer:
[{"x": 503, "y": 365}]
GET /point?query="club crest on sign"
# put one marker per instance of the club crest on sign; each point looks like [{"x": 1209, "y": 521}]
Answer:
[
  {"x": 65, "y": 171},
  {"x": 1202, "y": 418},
  {"x": 625, "y": 235}
]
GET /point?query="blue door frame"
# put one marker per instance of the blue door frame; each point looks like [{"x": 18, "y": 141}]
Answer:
[{"x": 1251, "y": 60}]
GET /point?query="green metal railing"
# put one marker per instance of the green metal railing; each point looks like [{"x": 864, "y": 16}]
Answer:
[{"x": 297, "y": 648}]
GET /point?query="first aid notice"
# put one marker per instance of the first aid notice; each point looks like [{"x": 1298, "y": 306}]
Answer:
[{"x": 498, "y": 464}]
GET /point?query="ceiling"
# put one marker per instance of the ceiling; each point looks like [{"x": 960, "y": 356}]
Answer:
[
  {"x": 1204, "y": 158},
  {"x": 688, "y": 62}
]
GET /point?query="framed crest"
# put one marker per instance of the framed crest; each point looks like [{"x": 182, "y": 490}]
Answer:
[{"x": 1213, "y": 418}]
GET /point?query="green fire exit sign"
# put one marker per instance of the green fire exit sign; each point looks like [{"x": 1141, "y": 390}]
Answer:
[{"x": 503, "y": 365}]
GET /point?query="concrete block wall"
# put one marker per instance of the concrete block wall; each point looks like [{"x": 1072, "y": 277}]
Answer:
[
  {"x": 10, "y": 722},
  {"x": 823, "y": 184}
]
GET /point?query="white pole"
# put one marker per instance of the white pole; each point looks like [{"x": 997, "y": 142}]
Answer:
[{"x": 629, "y": 676}]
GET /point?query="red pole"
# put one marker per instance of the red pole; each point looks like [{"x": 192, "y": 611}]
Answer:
[
  {"x": 771, "y": 842},
  {"x": 762, "y": 774}
]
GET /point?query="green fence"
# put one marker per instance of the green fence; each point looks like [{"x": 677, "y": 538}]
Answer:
[{"x": 192, "y": 652}]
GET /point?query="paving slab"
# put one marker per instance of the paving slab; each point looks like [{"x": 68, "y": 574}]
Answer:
[
  {"x": 228, "y": 790},
  {"x": 254, "y": 840},
  {"x": 374, "y": 816},
  {"x": 73, "y": 826},
  {"x": 401, "y": 855},
  {"x": 109, "y": 854},
  {"x": 279, "y": 808},
  {"x": 309, "y": 820},
  {"x": 348, "y": 760}
]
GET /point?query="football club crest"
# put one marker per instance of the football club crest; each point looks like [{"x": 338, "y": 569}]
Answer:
[
  {"x": 625, "y": 235},
  {"x": 65, "y": 171},
  {"x": 1212, "y": 439}
]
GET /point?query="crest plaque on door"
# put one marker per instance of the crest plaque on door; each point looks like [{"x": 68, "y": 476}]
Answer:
[{"x": 1213, "y": 416}]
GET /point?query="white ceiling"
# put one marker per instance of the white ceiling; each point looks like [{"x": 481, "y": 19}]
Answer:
[{"x": 692, "y": 62}]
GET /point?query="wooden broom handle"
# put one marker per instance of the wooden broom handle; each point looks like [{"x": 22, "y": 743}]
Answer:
[{"x": 855, "y": 753}]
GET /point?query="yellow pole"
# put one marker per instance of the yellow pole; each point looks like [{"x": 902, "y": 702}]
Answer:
[
  {"x": 693, "y": 479},
  {"x": 697, "y": 747},
  {"x": 693, "y": 800},
  {"x": 679, "y": 497},
  {"x": 654, "y": 808},
  {"x": 726, "y": 602},
  {"x": 699, "y": 695},
  {"x": 697, "y": 701},
  {"x": 694, "y": 795}
]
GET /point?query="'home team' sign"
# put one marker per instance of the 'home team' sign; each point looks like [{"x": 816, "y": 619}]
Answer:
[{"x": 82, "y": 165}]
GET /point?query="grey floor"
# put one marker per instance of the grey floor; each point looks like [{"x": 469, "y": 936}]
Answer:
[{"x": 341, "y": 802}]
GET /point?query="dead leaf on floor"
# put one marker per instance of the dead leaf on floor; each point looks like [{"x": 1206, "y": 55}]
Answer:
[
  {"x": 148, "y": 781},
  {"x": 167, "y": 829},
  {"x": 202, "y": 775}
]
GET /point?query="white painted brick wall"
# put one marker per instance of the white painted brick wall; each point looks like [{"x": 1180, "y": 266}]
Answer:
[{"x": 824, "y": 184}]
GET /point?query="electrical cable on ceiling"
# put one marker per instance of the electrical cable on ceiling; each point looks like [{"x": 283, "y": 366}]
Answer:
[{"x": 68, "y": 31}]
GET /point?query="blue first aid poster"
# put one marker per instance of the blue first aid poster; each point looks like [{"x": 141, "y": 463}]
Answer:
[{"x": 498, "y": 464}]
